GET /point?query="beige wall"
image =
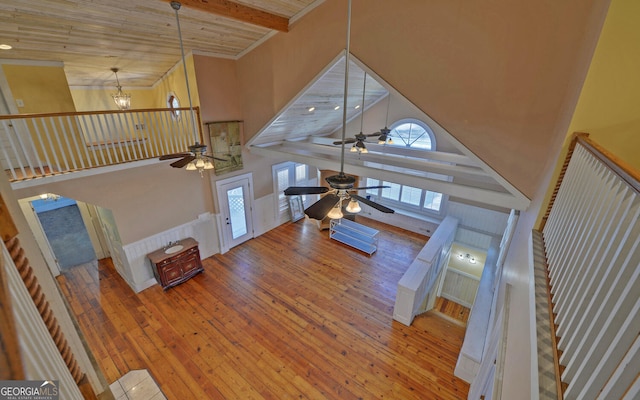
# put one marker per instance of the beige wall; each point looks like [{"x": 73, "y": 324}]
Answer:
[
  {"x": 144, "y": 200},
  {"x": 217, "y": 83},
  {"x": 501, "y": 78}
]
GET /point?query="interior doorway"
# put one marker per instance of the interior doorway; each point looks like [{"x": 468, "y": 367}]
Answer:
[{"x": 65, "y": 231}]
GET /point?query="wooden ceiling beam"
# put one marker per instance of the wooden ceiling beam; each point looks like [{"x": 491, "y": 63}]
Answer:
[{"x": 239, "y": 12}]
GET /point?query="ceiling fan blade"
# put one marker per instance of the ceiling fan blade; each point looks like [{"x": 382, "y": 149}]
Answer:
[
  {"x": 368, "y": 202},
  {"x": 346, "y": 141},
  {"x": 298, "y": 190},
  {"x": 174, "y": 155},
  {"x": 321, "y": 208},
  {"x": 370, "y": 187},
  {"x": 183, "y": 162}
]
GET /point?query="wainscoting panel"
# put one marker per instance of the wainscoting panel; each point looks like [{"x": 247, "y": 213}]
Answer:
[
  {"x": 264, "y": 215},
  {"x": 203, "y": 229},
  {"x": 460, "y": 287}
]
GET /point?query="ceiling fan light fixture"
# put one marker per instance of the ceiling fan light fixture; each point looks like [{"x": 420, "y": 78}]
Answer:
[
  {"x": 208, "y": 165},
  {"x": 191, "y": 166},
  {"x": 336, "y": 212},
  {"x": 354, "y": 149},
  {"x": 200, "y": 163},
  {"x": 353, "y": 206}
]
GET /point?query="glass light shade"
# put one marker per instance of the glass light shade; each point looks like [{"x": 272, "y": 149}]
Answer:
[
  {"x": 122, "y": 100},
  {"x": 354, "y": 149},
  {"x": 208, "y": 165},
  {"x": 199, "y": 163},
  {"x": 364, "y": 150},
  {"x": 191, "y": 166},
  {"x": 353, "y": 206},
  {"x": 390, "y": 141},
  {"x": 382, "y": 141},
  {"x": 335, "y": 213}
]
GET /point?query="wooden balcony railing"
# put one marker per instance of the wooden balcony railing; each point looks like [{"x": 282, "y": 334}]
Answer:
[
  {"x": 591, "y": 240},
  {"x": 40, "y": 145}
]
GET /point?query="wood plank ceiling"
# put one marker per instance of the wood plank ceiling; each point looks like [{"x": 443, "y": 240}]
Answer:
[{"x": 139, "y": 37}]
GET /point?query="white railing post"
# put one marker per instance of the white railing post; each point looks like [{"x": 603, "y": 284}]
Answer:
[
  {"x": 592, "y": 242},
  {"x": 35, "y": 146}
]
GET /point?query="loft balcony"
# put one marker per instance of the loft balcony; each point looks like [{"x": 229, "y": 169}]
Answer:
[{"x": 37, "y": 146}]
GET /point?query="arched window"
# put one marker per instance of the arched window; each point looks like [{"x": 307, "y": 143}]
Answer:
[
  {"x": 412, "y": 133},
  {"x": 415, "y": 134},
  {"x": 174, "y": 104}
]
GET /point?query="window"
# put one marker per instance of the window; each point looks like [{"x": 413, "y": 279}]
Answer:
[
  {"x": 412, "y": 133},
  {"x": 415, "y": 134},
  {"x": 405, "y": 197},
  {"x": 291, "y": 174},
  {"x": 173, "y": 103}
]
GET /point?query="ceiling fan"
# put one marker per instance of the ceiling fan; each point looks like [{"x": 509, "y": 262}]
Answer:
[
  {"x": 341, "y": 185},
  {"x": 359, "y": 139},
  {"x": 383, "y": 135},
  {"x": 196, "y": 159}
]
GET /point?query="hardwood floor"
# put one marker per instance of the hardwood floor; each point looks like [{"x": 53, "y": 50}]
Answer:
[
  {"x": 290, "y": 314},
  {"x": 453, "y": 310}
]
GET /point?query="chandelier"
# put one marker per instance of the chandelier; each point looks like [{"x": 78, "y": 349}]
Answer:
[{"x": 122, "y": 100}]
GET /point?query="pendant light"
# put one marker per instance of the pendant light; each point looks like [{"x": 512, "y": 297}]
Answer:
[{"x": 122, "y": 100}]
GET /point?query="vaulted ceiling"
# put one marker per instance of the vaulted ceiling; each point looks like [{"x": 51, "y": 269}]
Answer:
[
  {"x": 306, "y": 130},
  {"x": 140, "y": 37}
]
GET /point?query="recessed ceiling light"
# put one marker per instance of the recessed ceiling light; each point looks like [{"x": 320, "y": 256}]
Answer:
[
  {"x": 5, "y": 47},
  {"x": 336, "y": 108}
]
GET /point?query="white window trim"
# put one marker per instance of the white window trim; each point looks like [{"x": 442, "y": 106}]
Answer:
[{"x": 426, "y": 127}]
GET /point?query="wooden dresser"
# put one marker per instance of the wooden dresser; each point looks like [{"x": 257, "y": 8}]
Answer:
[{"x": 176, "y": 264}]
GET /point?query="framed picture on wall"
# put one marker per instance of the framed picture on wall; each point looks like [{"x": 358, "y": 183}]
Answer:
[
  {"x": 226, "y": 144},
  {"x": 296, "y": 208}
]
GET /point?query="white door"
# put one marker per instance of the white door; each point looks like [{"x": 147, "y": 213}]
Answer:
[{"x": 235, "y": 196}]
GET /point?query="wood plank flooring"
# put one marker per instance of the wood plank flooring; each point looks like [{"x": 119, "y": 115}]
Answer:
[
  {"x": 290, "y": 314},
  {"x": 453, "y": 310}
]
